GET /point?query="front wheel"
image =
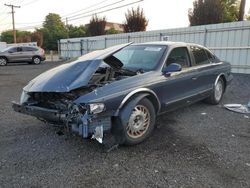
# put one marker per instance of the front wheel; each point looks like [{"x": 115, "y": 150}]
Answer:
[
  {"x": 36, "y": 60},
  {"x": 218, "y": 92},
  {"x": 140, "y": 123}
]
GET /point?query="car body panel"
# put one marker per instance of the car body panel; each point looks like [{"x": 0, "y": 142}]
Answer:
[
  {"x": 167, "y": 91},
  {"x": 70, "y": 76}
]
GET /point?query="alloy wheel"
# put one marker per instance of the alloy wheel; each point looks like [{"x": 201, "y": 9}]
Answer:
[{"x": 139, "y": 122}]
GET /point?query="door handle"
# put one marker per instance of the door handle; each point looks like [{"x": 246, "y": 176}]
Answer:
[{"x": 194, "y": 78}]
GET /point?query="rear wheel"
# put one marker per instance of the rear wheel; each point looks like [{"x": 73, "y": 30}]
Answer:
[
  {"x": 140, "y": 123},
  {"x": 3, "y": 61},
  {"x": 36, "y": 60},
  {"x": 218, "y": 91}
]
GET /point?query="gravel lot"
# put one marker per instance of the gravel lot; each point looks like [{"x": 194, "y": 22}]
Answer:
[{"x": 187, "y": 149}]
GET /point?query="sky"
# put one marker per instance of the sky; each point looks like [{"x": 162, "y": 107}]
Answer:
[{"x": 162, "y": 14}]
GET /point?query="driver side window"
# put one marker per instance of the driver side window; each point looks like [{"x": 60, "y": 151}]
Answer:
[{"x": 180, "y": 56}]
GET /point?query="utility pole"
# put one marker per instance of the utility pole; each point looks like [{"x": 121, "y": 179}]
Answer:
[
  {"x": 13, "y": 19},
  {"x": 67, "y": 26}
]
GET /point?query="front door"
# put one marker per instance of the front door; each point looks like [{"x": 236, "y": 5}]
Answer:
[{"x": 177, "y": 89}]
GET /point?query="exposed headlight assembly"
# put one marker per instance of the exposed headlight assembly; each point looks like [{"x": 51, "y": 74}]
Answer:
[
  {"x": 96, "y": 108},
  {"x": 24, "y": 97}
]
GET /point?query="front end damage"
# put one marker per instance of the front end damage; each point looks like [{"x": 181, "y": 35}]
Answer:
[
  {"x": 82, "y": 119},
  {"x": 72, "y": 94}
]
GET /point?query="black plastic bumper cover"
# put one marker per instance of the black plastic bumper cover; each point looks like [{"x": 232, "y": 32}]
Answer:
[{"x": 43, "y": 113}]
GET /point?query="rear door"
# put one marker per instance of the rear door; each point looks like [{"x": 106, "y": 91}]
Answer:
[
  {"x": 28, "y": 53},
  {"x": 206, "y": 65}
]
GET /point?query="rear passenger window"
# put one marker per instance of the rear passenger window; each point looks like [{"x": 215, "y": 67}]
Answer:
[
  {"x": 29, "y": 49},
  {"x": 210, "y": 56},
  {"x": 19, "y": 49},
  {"x": 200, "y": 55},
  {"x": 179, "y": 55}
]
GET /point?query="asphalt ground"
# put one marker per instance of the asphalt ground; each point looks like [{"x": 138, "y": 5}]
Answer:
[{"x": 198, "y": 146}]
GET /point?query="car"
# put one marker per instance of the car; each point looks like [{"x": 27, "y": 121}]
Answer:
[
  {"x": 116, "y": 93},
  {"x": 20, "y": 54}
]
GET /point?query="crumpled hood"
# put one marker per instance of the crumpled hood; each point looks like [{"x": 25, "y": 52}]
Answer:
[
  {"x": 64, "y": 78},
  {"x": 70, "y": 76}
]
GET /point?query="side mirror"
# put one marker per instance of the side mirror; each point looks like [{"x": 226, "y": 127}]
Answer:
[{"x": 173, "y": 67}]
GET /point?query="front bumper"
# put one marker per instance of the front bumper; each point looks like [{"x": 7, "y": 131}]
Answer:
[
  {"x": 85, "y": 125},
  {"x": 52, "y": 116}
]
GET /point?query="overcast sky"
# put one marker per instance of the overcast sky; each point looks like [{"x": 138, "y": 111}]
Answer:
[{"x": 161, "y": 14}]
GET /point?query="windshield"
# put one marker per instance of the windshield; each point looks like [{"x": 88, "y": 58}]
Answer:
[
  {"x": 6, "y": 49},
  {"x": 145, "y": 57}
]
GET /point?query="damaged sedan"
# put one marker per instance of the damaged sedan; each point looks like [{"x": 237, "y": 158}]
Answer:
[{"x": 118, "y": 92}]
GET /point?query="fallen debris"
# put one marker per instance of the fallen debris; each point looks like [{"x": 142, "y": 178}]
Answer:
[
  {"x": 245, "y": 116},
  {"x": 239, "y": 108}
]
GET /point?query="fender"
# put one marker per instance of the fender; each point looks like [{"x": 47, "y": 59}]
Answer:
[
  {"x": 119, "y": 128},
  {"x": 221, "y": 74},
  {"x": 137, "y": 91}
]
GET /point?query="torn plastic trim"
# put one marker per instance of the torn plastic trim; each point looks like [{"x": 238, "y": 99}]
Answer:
[
  {"x": 98, "y": 135},
  {"x": 86, "y": 123}
]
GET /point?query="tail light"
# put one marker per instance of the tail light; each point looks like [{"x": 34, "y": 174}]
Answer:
[{"x": 42, "y": 50}]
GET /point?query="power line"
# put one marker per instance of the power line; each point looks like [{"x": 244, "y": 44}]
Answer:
[
  {"x": 118, "y": 7},
  {"x": 28, "y": 3},
  {"x": 83, "y": 14},
  {"x": 97, "y": 8},
  {"x": 13, "y": 18},
  {"x": 85, "y": 8}
]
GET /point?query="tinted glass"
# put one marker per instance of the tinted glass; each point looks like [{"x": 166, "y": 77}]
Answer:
[
  {"x": 29, "y": 49},
  {"x": 200, "y": 55},
  {"x": 144, "y": 57},
  {"x": 12, "y": 50},
  {"x": 210, "y": 56},
  {"x": 180, "y": 56},
  {"x": 19, "y": 49}
]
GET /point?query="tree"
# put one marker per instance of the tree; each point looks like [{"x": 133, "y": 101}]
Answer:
[
  {"x": 230, "y": 10},
  {"x": 23, "y": 36},
  {"x": 7, "y": 36},
  {"x": 206, "y": 12},
  {"x": 213, "y": 11},
  {"x": 248, "y": 15},
  {"x": 242, "y": 10},
  {"x": 37, "y": 37},
  {"x": 96, "y": 26},
  {"x": 53, "y": 30},
  {"x": 112, "y": 31},
  {"x": 135, "y": 20},
  {"x": 74, "y": 31}
]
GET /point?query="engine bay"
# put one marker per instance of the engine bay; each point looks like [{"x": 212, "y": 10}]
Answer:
[{"x": 61, "y": 100}]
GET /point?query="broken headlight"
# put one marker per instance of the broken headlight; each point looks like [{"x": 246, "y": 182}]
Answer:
[
  {"x": 24, "y": 97},
  {"x": 96, "y": 108}
]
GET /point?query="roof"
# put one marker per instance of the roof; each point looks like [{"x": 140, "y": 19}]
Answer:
[{"x": 169, "y": 43}]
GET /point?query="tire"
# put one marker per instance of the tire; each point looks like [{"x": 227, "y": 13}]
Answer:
[
  {"x": 36, "y": 60},
  {"x": 3, "y": 61},
  {"x": 218, "y": 92},
  {"x": 140, "y": 124}
]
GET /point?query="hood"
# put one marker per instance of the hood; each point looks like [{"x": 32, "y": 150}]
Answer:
[{"x": 73, "y": 75}]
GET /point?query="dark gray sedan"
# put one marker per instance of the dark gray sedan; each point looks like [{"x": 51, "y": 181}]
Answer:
[{"x": 116, "y": 93}]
